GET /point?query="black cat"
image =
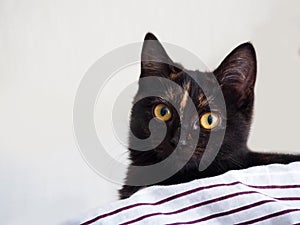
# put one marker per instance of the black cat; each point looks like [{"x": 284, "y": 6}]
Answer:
[{"x": 236, "y": 76}]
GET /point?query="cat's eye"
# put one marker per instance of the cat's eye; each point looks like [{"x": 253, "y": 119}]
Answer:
[
  {"x": 209, "y": 120},
  {"x": 162, "y": 112}
]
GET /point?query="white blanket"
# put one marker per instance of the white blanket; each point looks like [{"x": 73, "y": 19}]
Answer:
[{"x": 259, "y": 195}]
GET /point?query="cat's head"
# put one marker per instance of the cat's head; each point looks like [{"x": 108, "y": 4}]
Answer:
[{"x": 236, "y": 77}]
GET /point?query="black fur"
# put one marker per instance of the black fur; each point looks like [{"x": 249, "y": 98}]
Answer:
[{"x": 236, "y": 76}]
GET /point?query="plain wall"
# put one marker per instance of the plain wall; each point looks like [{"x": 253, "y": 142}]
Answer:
[{"x": 47, "y": 46}]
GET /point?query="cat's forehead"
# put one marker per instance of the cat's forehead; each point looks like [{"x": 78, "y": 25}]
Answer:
[{"x": 190, "y": 83}]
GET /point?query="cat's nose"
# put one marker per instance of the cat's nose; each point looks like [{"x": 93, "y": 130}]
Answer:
[
  {"x": 180, "y": 137},
  {"x": 184, "y": 135},
  {"x": 183, "y": 142}
]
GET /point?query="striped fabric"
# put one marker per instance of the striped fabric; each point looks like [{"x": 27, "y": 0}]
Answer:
[{"x": 259, "y": 195}]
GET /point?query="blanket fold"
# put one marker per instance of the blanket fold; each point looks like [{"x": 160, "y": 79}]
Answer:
[{"x": 259, "y": 195}]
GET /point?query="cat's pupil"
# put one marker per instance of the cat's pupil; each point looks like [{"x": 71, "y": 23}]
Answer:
[
  {"x": 164, "y": 111},
  {"x": 210, "y": 119}
]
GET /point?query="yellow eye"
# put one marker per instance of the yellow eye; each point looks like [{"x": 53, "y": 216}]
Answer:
[
  {"x": 209, "y": 120},
  {"x": 162, "y": 112}
]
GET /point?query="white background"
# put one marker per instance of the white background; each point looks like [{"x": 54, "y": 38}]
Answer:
[{"x": 47, "y": 46}]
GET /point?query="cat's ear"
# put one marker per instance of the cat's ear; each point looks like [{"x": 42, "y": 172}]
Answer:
[
  {"x": 237, "y": 74},
  {"x": 154, "y": 59}
]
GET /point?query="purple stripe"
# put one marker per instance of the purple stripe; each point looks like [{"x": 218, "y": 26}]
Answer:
[
  {"x": 232, "y": 211},
  {"x": 205, "y": 203},
  {"x": 159, "y": 202},
  {"x": 289, "y": 198},
  {"x": 268, "y": 216},
  {"x": 191, "y": 206},
  {"x": 184, "y": 194}
]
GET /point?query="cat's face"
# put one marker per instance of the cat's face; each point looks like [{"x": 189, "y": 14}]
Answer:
[{"x": 236, "y": 77}]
